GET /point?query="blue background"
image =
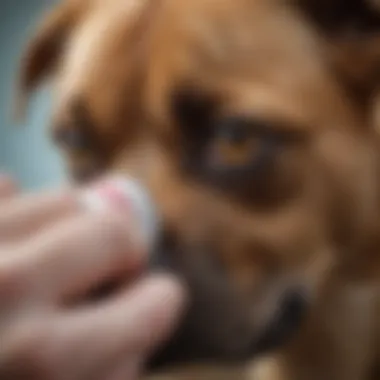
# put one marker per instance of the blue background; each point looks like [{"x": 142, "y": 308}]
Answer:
[{"x": 25, "y": 149}]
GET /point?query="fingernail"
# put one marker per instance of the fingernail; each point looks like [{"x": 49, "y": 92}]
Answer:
[{"x": 128, "y": 197}]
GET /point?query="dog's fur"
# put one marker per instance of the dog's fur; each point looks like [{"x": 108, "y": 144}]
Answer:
[{"x": 145, "y": 87}]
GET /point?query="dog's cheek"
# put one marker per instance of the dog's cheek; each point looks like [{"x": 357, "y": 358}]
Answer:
[{"x": 347, "y": 169}]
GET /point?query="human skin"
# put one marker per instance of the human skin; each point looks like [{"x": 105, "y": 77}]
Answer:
[{"x": 51, "y": 253}]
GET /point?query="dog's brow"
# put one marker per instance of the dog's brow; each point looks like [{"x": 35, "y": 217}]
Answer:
[{"x": 192, "y": 107}]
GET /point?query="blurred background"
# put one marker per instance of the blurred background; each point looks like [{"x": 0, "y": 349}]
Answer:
[{"x": 25, "y": 149}]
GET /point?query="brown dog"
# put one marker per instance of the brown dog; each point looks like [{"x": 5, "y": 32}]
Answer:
[{"x": 250, "y": 123}]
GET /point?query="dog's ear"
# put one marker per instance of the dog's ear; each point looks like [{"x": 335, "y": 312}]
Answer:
[
  {"x": 42, "y": 53},
  {"x": 338, "y": 16},
  {"x": 351, "y": 29}
]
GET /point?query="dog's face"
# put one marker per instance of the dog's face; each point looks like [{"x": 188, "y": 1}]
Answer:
[{"x": 261, "y": 161}]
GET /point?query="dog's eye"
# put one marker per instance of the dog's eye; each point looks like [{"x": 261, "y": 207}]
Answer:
[
  {"x": 239, "y": 145},
  {"x": 234, "y": 146}
]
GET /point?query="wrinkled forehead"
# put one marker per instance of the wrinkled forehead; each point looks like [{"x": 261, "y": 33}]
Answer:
[{"x": 254, "y": 54}]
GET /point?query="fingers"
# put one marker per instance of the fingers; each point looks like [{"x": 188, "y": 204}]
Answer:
[
  {"x": 135, "y": 321},
  {"x": 91, "y": 343},
  {"x": 20, "y": 218},
  {"x": 56, "y": 252},
  {"x": 70, "y": 258},
  {"x": 132, "y": 325}
]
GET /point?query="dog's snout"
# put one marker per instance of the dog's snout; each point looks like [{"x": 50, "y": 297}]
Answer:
[
  {"x": 213, "y": 299},
  {"x": 291, "y": 313}
]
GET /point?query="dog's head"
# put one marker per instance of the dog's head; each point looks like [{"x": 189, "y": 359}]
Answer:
[{"x": 249, "y": 124}]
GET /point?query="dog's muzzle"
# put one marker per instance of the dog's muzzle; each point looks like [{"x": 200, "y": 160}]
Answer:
[{"x": 216, "y": 327}]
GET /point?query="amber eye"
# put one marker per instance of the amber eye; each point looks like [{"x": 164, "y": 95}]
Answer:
[{"x": 235, "y": 146}]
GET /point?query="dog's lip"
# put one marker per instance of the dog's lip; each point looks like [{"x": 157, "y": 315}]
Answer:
[
  {"x": 185, "y": 347},
  {"x": 285, "y": 323},
  {"x": 281, "y": 330},
  {"x": 191, "y": 348}
]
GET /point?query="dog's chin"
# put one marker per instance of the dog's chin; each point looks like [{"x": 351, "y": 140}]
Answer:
[
  {"x": 216, "y": 327},
  {"x": 201, "y": 335},
  {"x": 188, "y": 347}
]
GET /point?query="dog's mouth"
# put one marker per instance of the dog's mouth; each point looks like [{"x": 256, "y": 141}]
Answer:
[
  {"x": 188, "y": 346},
  {"x": 217, "y": 326}
]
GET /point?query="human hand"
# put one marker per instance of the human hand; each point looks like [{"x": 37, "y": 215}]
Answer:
[{"x": 52, "y": 253}]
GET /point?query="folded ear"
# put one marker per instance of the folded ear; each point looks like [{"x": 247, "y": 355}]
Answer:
[
  {"x": 43, "y": 52},
  {"x": 351, "y": 29},
  {"x": 335, "y": 16}
]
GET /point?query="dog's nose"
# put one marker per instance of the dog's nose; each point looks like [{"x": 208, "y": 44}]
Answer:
[{"x": 291, "y": 313}]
